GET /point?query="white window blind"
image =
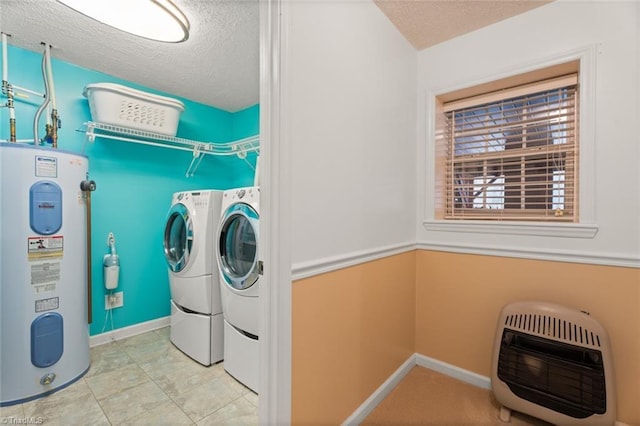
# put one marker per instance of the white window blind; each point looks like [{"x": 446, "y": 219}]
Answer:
[{"x": 513, "y": 154}]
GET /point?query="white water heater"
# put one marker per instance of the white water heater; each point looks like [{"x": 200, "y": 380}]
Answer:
[{"x": 44, "y": 336}]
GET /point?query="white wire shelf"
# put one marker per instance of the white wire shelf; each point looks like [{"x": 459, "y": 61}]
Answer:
[{"x": 199, "y": 149}]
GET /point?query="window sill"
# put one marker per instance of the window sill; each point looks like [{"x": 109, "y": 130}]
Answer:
[{"x": 562, "y": 230}]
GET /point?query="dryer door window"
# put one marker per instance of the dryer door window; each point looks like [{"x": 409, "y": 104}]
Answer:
[
  {"x": 238, "y": 254},
  {"x": 178, "y": 238}
]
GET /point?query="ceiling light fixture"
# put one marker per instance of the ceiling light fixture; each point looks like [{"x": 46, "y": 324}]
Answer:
[{"x": 159, "y": 20}]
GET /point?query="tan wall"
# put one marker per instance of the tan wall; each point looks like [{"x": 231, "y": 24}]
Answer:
[
  {"x": 351, "y": 330},
  {"x": 354, "y": 327},
  {"x": 459, "y": 297}
]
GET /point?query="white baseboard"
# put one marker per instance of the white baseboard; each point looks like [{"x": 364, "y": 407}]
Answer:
[
  {"x": 124, "y": 332},
  {"x": 453, "y": 371},
  {"x": 381, "y": 393},
  {"x": 450, "y": 370},
  {"x": 420, "y": 360}
]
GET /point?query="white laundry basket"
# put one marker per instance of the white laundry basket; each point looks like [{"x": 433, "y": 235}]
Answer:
[{"x": 123, "y": 106}]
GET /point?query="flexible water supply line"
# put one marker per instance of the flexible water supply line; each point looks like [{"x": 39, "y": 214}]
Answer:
[{"x": 47, "y": 99}]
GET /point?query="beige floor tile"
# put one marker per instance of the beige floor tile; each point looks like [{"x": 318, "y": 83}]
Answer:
[
  {"x": 150, "y": 350},
  {"x": 11, "y": 412},
  {"x": 103, "y": 385},
  {"x": 136, "y": 401},
  {"x": 180, "y": 376},
  {"x": 141, "y": 339},
  {"x": 66, "y": 396},
  {"x": 201, "y": 401},
  {"x": 234, "y": 384},
  {"x": 251, "y": 397},
  {"x": 143, "y": 380},
  {"x": 106, "y": 358},
  {"x": 167, "y": 413},
  {"x": 170, "y": 364},
  {"x": 74, "y": 405},
  {"x": 164, "y": 332},
  {"x": 157, "y": 354},
  {"x": 238, "y": 412}
]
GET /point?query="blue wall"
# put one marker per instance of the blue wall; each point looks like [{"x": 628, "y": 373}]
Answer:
[{"x": 134, "y": 182}]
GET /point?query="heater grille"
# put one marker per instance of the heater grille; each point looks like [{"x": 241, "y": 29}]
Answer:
[
  {"x": 554, "y": 363},
  {"x": 554, "y": 328},
  {"x": 564, "y": 378}
]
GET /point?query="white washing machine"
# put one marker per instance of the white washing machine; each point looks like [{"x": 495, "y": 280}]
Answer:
[
  {"x": 196, "y": 308},
  {"x": 237, "y": 256}
]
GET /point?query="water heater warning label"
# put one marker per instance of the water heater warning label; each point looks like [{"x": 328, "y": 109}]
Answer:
[
  {"x": 44, "y": 276},
  {"x": 46, "y": 166},
  {"x": 45, "y": 247},
  {"x": 50, "y": 304}
]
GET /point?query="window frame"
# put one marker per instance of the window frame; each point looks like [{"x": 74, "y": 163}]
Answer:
[
  {"x": 586, "y": 226},
  {"x": 486, "y": 150}
]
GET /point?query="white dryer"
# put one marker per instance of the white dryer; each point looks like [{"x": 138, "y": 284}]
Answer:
[
  {"x": 196, "y": 308},
  {"x": 237, "y": 256}
]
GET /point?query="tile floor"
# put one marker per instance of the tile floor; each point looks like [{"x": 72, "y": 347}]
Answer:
[{"x": 143, "y": 380}]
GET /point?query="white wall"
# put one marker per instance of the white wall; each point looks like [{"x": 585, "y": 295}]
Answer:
[
  {"x": 349, "y": 105},
  {"x": 610, "y": 177}
]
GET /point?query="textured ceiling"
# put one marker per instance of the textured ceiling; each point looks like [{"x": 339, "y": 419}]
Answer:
[
  {"x": 219, "y": 64},
  {"x": 428, "y": 22}
]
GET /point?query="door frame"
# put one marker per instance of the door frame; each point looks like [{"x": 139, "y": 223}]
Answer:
[{"x": 275, "y": 217}]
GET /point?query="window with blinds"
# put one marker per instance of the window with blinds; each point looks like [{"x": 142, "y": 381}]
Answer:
[{"x": 513, "y": 154}]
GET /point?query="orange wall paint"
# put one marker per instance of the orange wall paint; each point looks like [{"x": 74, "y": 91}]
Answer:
[
  {"x": 459, "y": 298},
  {"x": 351, "y": 330}
]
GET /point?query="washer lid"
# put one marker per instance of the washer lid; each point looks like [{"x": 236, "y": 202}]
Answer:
[
  {"x": 178, "y": 237},
  {"x": 238, "y": 246}
]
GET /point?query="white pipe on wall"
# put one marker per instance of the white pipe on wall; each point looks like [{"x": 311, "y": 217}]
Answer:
[
  {"x": 19, "y": 89},
  {"x": 45, "y": 103},
  {"x": 50, "y": 77},
  {"x": 5, "y": 66}
]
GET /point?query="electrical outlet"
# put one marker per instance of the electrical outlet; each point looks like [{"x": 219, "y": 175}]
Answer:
[{"x": 115, "y": 300}]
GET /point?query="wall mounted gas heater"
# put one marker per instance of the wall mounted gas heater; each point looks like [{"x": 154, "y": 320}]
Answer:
[{"x": 554, "y": 363}]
